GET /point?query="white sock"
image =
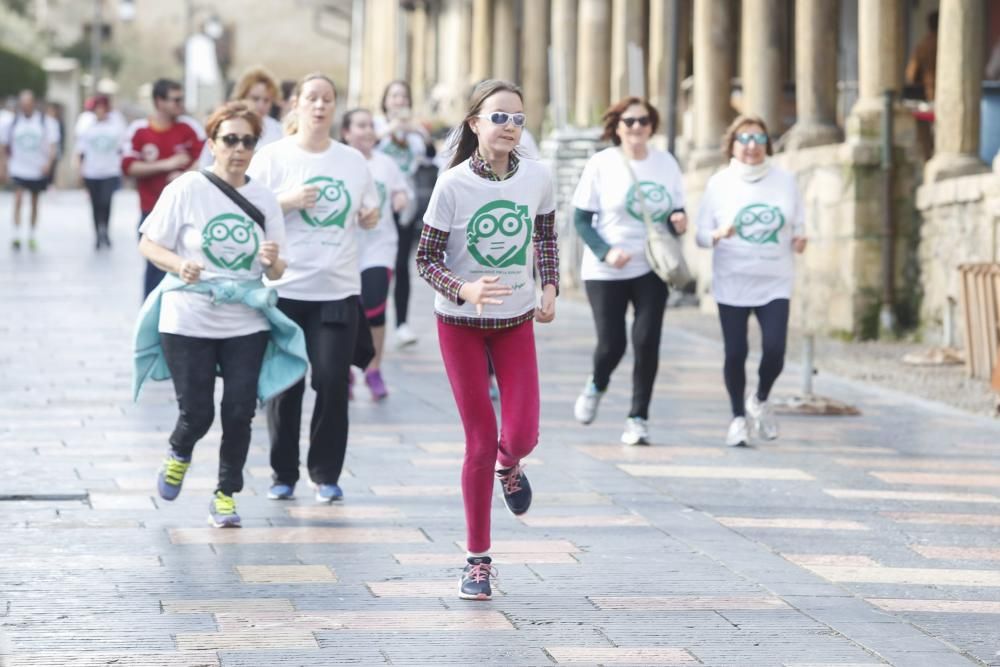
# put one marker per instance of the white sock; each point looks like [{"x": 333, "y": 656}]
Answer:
[{"x": 471, "y": 554}]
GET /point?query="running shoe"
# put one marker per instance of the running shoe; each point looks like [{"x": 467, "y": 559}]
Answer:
[
  {"x": 32, "y": 245},
  {"x": 328, "y": 493},
  {"x": 585, "y": 409},
  {"x": 376, "y": 384},
  {"x": 636, "y": 432},
  {"x": 475, "y": 582},
  {"x": 405, "y": 336},
  {"x": 737, "y": 435},
  {"x": 222, "y": 511},
  {"x": 281, "y": 491},
  {"x": 171, "y": 476},
  {"x": 760, "y": 415},
  {"x": 16, "y": 244},
  {"x": 516, "y": 489}
]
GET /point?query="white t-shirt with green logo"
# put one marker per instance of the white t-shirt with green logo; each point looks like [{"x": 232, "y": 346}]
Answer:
[
  {"x": 378, "y": 245},
  {"x": 607, "y": 188},
  {"x": 194, "y": 219},
  {"x": 99, "y": 142},
  {"x": 30, "y": 140},
  {"x": 490, "y": 226},
  {"x": 322, "y": 250},
  {"x": 756, "y": 265}
]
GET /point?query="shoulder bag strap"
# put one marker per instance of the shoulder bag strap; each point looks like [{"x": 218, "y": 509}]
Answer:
[
  {"x": 238, "y": 199},
  {"x": 650, "y": 227}
]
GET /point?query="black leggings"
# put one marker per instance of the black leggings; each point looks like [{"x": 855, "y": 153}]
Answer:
[
  {"x": 192, "y": 363},
  {"x": 773, "y": 320},
  {"x": 401, "y": 292},
  {"x": 609, "y": 299},
  {"x": 101, "y": 191}
]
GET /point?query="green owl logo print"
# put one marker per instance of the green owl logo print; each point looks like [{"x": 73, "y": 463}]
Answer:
[
  {"x": 103, "y": 144},
  {"x": 401, "y": 155},
  {"x": 28, "y": 142},
  {"x": 230, "y": 242},
  {"x": 655, "y": 198},
  {"x": 499, "y": 233},
  {"x": 759, "y": 223},
  {"x": 332, "y": 205},
  {"x": 380, "y": 187}
]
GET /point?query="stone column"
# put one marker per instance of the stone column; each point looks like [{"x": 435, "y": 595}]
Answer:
[
  {"x": 421, "y": 32},
  {"x": 958, "y": 91},
  {"x": 880, "y": 30},
  {"x": 381, "y": 57},
  {"x": 564, "y": 27},
  {"x": 593, "y": 72},
  {"x": 63, "y": 87},
  {"x": 453, "y": 58},
  {"x": 816, "y": 23},
  {"x": 535, "y": 63},
  {"x": 660, "y": 48},
  {"x": 482, "y": 39},
  {"x": 504, "y": 40},
  {"x": 628, "y": 23},
  {"x": 761, "y": 46},
  {"x": 713, "y": 41}
]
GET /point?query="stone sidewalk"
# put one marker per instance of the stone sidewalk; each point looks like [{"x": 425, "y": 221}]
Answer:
[{"x": 849, "y": 541}]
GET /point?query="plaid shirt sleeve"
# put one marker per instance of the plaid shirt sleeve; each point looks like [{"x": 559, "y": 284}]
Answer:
[
  {"x": 547, "y": 249},
  {"x": 431, "y": 266}
]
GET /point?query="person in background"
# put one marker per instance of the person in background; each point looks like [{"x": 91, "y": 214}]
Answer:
[
  {"x": 921, "y": 70},
  {"x": 257, "y": 88},
  {"x": 31, "y": 146},
  {"x": 98, "y": 148},
  {"x": 157, "y": 150},
  {"x": 751, "y": 214}
]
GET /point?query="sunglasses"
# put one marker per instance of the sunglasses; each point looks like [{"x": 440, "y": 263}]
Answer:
[
  {"x": 760, "y": 138},
  {"x": 502, "y": 118},
  {"x": 642, "y": 120},
  {"x": 230, "y": 140}
]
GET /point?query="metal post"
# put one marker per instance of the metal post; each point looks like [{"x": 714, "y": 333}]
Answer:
[
  {"x": 673, "y": 54},
  {"x": 887, "y": 316},
  {"x": 95, "y": 45}
]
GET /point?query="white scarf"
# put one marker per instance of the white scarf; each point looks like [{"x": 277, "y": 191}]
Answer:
[{"x": 750, "y": 173}]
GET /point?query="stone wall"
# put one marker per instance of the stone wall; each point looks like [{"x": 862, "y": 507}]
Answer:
[{"x": 960, "y": 224}]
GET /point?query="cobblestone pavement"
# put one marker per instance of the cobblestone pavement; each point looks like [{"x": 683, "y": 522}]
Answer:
[{"x": 849, "y": 541}]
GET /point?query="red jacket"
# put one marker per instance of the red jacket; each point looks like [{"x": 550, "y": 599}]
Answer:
[{"x": 147, "y": 143}]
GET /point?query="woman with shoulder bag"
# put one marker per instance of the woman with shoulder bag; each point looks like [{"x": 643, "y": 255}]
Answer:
[
  {"x": 620, "y": 187},
  {"x": 752, "y": 215}
]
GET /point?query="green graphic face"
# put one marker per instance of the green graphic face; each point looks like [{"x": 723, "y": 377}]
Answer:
[
  {"x": 230, "y": 242},
  {"x": 655, "y": 198},
  {"x": 104, "y": 144},
  {"x": 332, "y": 205},
  {"x": 382, "y": 196},
  {"x": 759, "y": 223},
  {"x": 401, "y": 155},
  {"x": 28, "y": 142},
  {"x": 499, "y": 233}
]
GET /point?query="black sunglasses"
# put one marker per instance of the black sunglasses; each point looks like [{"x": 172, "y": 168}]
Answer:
[
  {"x": 642, "y": 120},
  {"x": 230, "y": 140}
]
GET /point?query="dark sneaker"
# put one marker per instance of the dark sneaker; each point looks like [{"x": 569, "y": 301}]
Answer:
[
  {"x": 328, "y": 493},
  {"x": 16, "y": 244},
  {"x": 475, "y": 583},
  {"x": 222, "y": 511},
  {"x": 171, "y": 476},
  {"x": 516, "y": 489},
  {"x": 281, "y": 491}
]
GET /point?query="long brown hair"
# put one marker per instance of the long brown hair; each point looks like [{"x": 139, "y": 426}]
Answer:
[
  {"x": 467, "y": 141},
  {"x": 251, "y": 78}
]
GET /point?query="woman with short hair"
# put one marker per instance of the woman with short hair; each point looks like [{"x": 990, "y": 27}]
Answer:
[{"x": 98, "y": 147}]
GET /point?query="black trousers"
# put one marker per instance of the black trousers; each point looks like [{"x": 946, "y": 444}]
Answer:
[
  {"x": 773, "y": 320},
  {"x": 331, "y": 331},
  {"x": 101, "y": 190},
  {"x": 193, "y": 363},
  {"x": 401, "y": 292},
  {"x": 609, "y": 300}
]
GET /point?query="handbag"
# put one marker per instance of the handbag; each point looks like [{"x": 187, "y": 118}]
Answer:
[{"x": 663, "y": 249}]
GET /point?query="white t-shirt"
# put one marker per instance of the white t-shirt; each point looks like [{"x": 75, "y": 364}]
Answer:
[
  {"x": 756, "y": 265},
  {"x": 378, "y": 245},
  {"x": 607, "y": 188},
  {"x": 99, "y": 142},
  {"x": 490, "y": 226},
  {"x": 322, "y": 250},
  {"x": 30, "y": 139},
  {"x": 194, "y": 219}
]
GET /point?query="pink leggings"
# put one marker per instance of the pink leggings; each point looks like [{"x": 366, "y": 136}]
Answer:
[{"x": 465, "y": 350}]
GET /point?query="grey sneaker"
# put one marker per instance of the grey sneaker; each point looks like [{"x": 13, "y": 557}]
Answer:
[
  {"x": 585, "y": 409},
  {"x": 475, "y": 583},
  {"x": 635, "y": 432},
  {"x": 761, "y": 418},
  {"x": 222, "y": 511}
]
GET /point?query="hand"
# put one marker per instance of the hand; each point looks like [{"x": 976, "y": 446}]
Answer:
[
  {"x": 723, "y": 233},
  {"x": 546, "y": 311},
  {"x": 305, "y": 197},
  {"x": 617, "y": 258},
  {"x": 799, "y": 244},
  {"x": 399, "y": 201},
  {"x": 680, "y": 221},
  {"x": 190, "y": 271},
  {"x": 268, "y": 253},
  {"x": 368, "y": 218},
  {"x": 484, "y": 291}
]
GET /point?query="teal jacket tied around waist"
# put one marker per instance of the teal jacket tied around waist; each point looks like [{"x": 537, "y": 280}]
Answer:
[{"x": 285, "y": 360}]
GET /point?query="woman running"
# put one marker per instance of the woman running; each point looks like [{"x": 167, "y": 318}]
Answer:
[
  {"x": 326, "y": 193},
  {"x": 98, "y": 146},
  {"x": 490, "y": 222}
]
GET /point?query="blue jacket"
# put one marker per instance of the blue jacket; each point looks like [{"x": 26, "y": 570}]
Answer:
[{"x": 285, "y": 360}]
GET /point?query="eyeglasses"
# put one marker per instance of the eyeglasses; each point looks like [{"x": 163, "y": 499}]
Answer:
[
  {"x": 759, "y": 138},
  {"x": 632, "y": 120},
  {"x": 502, "y": 118},
  {"x": 230, "y": 140}
]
